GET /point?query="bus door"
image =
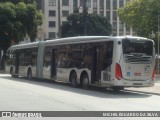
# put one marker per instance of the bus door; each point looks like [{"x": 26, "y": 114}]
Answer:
[
  {"x": 93, "y": 64},
  {"x": 17, "y": 63},
  {"x": 96, "y": 64},
  {"x": 53, "y": 64}
]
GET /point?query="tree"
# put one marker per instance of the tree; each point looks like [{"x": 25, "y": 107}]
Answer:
[
  {"x": 17, "y": 1},
  {"x": 30, "y": 18},
  {"x": 96, "y": 25},
  {"x": 7, "y": 23},
  {"x": 141, "y": 15},
  {"x": 16, "y": 20}
]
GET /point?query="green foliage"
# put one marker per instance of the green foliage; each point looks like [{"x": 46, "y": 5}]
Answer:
[
  {"x": 17, "y": 1},
  {"x": 142, "y": 15},
  {"x": 7, "y": 22},
  {"x": 96, "y": 25},
  {"x": 18, "y": 18}
]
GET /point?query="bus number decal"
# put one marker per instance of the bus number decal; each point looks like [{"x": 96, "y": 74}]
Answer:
[
  {"x": 137, "y": 74},
  {"x": 128, "y": 73}
]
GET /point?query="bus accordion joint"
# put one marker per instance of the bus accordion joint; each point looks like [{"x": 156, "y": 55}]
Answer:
[{"x": 118, "y": 72}]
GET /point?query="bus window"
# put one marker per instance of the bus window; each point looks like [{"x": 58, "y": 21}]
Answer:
[
  {"x": 137, "y": 46},
  {"x": 34, "y": 57},
  {"x": 28, "y": 56},
  {"x": 62, "y": 53},
  {"x": 87, "y": 56},
  {"x": 47, "y": 57},
  {"x": 10, "y": 57},
  {"x": 108, "y": 54},
  {"x": 139, "y": 51},
  {"x": 76, "y": 55}
]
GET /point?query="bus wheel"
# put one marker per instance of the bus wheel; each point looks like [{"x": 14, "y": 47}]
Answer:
[
  {"x": 73, "y": 79},
  {"x": 29, "y": 74},
  {"x": 11, "y": 72},
  {"x": 85, "y": 81}
]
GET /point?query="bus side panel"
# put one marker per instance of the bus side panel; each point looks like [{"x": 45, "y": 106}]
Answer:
[{"x": 118, "y": 59}]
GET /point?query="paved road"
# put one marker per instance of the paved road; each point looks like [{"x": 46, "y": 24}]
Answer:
[{"x": 23, "y": 95}]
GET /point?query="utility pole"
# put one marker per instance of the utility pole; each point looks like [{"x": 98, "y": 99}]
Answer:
[
  {"x": 59, "y": 20},
  {"x": 158, "y": 42}
]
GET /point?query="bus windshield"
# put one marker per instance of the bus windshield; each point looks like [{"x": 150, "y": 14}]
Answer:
[{"x": 134, "y": 46}]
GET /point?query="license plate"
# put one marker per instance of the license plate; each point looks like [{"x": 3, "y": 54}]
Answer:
[
  {"x": 137, "y": 84},
  {"x": 137, "y": 74}
]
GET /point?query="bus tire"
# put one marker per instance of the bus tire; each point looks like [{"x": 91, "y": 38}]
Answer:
[
  {"x": 73, "y": 79},
  {"x": 11, "y": 72},
  {"x": 85, "y": 81},
  {"x": 29, "y": 74}
]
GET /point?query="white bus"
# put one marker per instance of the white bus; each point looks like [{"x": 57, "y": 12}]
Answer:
[{"x": 116, "y": 62}]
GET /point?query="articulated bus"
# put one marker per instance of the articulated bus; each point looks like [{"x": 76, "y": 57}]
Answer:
[{"x": 114, "y": 62}]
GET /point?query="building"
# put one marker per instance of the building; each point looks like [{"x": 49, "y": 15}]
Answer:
[{"x": 52, "y": 16}]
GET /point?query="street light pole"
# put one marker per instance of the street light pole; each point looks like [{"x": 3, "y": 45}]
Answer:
[
  {"x": 85, "y": 12},
  {"x": 59, "y": 20}
]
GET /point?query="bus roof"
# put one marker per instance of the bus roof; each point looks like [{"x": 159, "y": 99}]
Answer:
[
  {"x": 78, "y": 39},
  {"x": 131, "y": 37},
  {"x": 27, "y": 45},
  {"x": 84, "y": 39}
]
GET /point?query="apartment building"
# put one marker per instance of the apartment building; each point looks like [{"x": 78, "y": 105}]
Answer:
[{"x": 56, "y": 12}]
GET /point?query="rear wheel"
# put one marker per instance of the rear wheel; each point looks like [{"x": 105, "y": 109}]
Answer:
[
  {"x": 85, "y": 81},
  {"x": 73, "y": 79},
  {"x": 29, "y": 74}
]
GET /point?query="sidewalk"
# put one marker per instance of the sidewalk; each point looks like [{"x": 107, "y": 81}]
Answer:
[{"x": 157, "y": 78}]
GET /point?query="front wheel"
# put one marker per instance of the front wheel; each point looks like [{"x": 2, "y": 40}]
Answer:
[
  {"x": 73, "y": 79},
  {"x": 85, "y": 81},
  {"x": 29, "y": 74},
  {"x": 12, "y": 73}
]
